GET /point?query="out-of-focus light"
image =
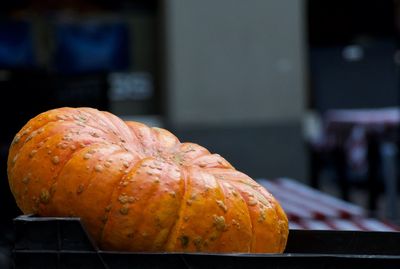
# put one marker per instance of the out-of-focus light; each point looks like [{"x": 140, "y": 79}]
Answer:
[{"x": 353, "y": 53}]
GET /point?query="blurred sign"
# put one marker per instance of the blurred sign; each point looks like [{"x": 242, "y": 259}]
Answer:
[
  {"x": 16, "y": 44},
  {"x": 130, "y": 86},
  {"x": 91, "y": 46},
  {"x": 353, "y": 53}
]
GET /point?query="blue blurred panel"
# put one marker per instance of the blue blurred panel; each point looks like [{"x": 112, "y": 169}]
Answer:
[
  {"x": 91, "y": 46},
  {"x": 16, "y": 45}
]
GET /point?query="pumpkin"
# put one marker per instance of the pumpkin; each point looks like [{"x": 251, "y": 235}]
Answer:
[{"x": 138, "y": 188}]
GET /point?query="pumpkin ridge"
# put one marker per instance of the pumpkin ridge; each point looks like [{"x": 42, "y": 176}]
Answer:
[
  {"x": 282, "y": 230},
  {"x": 95, "y": 122},
  {"x": 249, "y": 215},
  {"x": 226, "y": 187},
  {"x": 69, "y": 156},
  {"x": 89, "y": 113},
  {"x": 27, "y": 126},
  {"x": 221, "y": 189},
  {"x": 178, "y": 222},
  {"x": 161, "y": 135},
  {"x": 133, "y": 128},
  {"x": 258, "y": 192},
  {"x": 97, "y": 144},
  {"x": 100, "y": 121},
  {"x": 84, "y": 216},
  {"x": 138, "y": 139},
  {"x": 122, "y": 131},
  {"x": 78, "y": 151},
  {"x": 21, "y": 149},
  {"x": 283, "y": 240},
  {"x": 192, "y": 160},
  {"x": 103, "y": 119},
  {"x": 23, "y": 143},
  {"x": 133, "y": 169},
  {"x": 59, "y": 172},
  {"x": 260, "y": 195},
  {"x": 53, "y": 120}
]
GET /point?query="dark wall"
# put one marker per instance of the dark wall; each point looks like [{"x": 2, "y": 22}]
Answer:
[
  {"x": 352, "y": 54},
  {"x": 269, "y": 151}
]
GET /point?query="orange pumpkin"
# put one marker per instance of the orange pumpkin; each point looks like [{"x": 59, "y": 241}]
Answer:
[{"x": 138, "y": 188}]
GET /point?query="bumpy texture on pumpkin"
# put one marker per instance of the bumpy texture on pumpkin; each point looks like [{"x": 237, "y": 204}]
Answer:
[{"x": 138, "y": 188}]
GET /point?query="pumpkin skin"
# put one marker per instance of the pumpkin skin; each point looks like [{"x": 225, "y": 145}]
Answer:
[{"x": 138, "y": 188}]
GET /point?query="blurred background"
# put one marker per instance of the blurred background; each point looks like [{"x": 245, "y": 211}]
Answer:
[{"x": 304, "y": 89}]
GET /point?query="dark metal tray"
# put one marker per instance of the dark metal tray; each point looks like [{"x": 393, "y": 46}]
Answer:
[{"x": 63, "y": 243}]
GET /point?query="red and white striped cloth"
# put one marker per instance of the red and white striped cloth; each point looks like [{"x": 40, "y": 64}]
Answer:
[
  {"x": 308, "y": 208},
  {"x": 349, "y": 129}
]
